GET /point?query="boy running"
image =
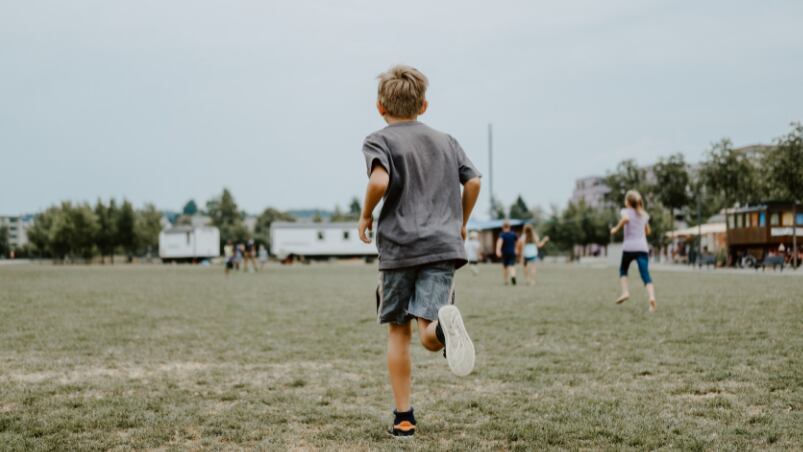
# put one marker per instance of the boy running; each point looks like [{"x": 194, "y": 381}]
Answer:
[
  {"x": 506, "y": 250},
  {"x": 417, "y": 171}
]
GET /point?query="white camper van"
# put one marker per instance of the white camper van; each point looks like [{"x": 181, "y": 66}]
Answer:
[
  {"x": 189, "y": 243},
  {"x": 318, "y": 241}
]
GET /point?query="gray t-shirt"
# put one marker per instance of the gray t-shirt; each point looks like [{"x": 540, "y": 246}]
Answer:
[{"x": 422, "y": 211}]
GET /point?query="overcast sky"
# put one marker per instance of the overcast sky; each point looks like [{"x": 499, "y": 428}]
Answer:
[{"x": 164, "y": 101}]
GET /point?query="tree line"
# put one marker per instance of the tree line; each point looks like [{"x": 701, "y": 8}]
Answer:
[
  {"x": 80, "y": 231},
  {"x": 674, "y": 189}
]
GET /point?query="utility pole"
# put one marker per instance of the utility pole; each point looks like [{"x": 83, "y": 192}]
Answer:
[
  {"x": 699, "y": 233},
  {"x": 491, "y": 169},
  {"x": 794, "y": 233}
]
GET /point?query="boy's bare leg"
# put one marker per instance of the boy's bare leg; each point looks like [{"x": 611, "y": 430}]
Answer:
[
  {"x": 504, "y": 274},
  {"x": 625, "y": 290},
  {"x": 429, "y": 339},
  {"x": 399, "y": 364}
]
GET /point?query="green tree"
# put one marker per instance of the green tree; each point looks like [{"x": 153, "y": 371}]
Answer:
[
  {"x": 703, "y": 203},
  {"x": 5, "y": 247},
  {"x": 627, "y": 176},
  {"x": 672, "y": 183},
  {"x": 106, "y": 237},
  {"x": 227, "y": 217},
  {"x": 519, "y": 210},
  {"x": 730, "y": 176},
  {"x": 190, "y": 208},
  {"x": 578, "y": 224},
  {"x": 661, "y": 222},
  {"x": 61, "y": 233},
  {"x": 355, "y": 209},
  {"x": 784, "y": 166},
  {"x": 126, "y": 229},
  {"x": 40, "y": 232},
  {"x": 71, "y": 231},
  {"x": 560, "y": 237},
  {"x": 148, "y": 227},
  {"x": 84, "y": 229},
  {"x": 266, "y": 219}
]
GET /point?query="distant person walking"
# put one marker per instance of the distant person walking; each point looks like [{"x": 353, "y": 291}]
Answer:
[
  {"x": 636, "y": 224},
  {"x": 263, "y": 256},
  {"x": 228, "y": 256},
  {"x": 250, "y": 256},
  {"x": 528, "y": 249},
  {"x": 473, "y": 251},
  {"x": 239, "y": 250},
  {"x": 506, "y": 250}
]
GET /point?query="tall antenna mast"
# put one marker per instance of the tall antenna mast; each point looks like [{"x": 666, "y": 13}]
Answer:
[{"x": 491, "y": 169}]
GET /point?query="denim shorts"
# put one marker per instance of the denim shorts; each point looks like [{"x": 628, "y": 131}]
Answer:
[
  {"x": 508, "y": 260},
  {"x": 415, "y": 292}
]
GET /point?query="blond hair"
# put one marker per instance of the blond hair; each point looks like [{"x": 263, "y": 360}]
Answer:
[
  {"x": 634, "y": 200},
  {"x": 529, "y": 233},
  {"x": 402, "y": 90}
]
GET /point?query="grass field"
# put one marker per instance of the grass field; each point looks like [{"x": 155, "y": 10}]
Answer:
[{"x": 183, "y": 358}]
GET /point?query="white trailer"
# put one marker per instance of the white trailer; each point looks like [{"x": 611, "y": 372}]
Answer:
[
  {"x": 318, "y": 240},
  {"x": 189, "y": 243}
]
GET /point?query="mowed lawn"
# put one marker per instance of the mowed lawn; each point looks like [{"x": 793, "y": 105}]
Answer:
[{"x": 179, "y": 357}]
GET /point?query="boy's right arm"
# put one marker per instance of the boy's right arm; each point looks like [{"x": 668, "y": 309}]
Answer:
[
  {"x": 377, "y": 186},
  {"x": 471, "y": 191}
]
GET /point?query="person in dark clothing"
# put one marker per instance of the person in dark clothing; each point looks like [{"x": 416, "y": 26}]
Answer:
[{"x": 506, "y": 250}]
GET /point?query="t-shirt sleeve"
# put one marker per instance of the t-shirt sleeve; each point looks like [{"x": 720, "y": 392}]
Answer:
[
  {"x": 623, "y": 214},
  {"x": 466, "y": 168},
  {"x": 375, "y": 151}
]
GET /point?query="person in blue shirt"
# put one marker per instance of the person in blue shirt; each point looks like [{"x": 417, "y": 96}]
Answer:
[{"x": 506, "y": 250}]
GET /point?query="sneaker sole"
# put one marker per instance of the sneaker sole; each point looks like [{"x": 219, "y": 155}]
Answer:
[{"x": 459, "y": 348}]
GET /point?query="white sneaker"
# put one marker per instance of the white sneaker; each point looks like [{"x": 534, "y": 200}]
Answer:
[{"x": 459, "y": 348}]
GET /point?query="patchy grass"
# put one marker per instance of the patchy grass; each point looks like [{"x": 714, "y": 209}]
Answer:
[{"x": 292, "y": 358}]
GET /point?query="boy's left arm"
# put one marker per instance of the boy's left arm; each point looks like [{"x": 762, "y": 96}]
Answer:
[{"x": 471, "y": 191}]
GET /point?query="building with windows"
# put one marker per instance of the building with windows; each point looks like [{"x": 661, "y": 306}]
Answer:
[
  {"x": 764, "y": 230},
  {"x": 591, "y": 190},
  {"x": 17, "y": 229}
]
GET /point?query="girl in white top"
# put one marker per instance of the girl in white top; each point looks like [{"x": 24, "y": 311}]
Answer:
[
  {"x": 636, "y": 223},
  {"x": 528, "y": 251}
]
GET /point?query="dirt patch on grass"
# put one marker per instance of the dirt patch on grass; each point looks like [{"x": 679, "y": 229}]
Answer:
[
  {"x": 7, "y": 407},
  {"x": 178, "y": 370}
]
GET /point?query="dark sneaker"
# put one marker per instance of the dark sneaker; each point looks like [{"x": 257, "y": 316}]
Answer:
[
  {"x": 403, "y": 424},
  {"x": 459, "y": 348},
  {"x": 513, "y": 280}
]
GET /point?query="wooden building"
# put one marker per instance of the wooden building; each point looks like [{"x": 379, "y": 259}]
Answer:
[{"x": 759, "y": 231}]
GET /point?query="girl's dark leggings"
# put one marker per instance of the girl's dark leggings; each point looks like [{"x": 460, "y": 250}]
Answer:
[{"x": 642, "y": 260}]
